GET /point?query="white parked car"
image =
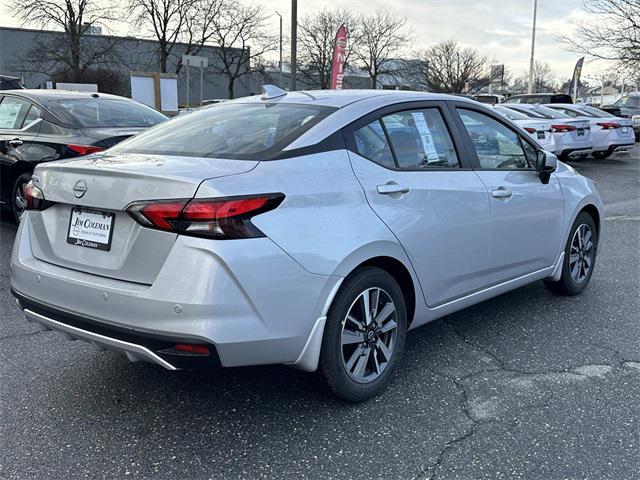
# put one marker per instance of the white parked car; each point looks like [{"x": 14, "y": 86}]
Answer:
[
  {"x": 610, "y": 133},
  {"x": 538, "y": 129},
  {"x": 573, "y": 136}
]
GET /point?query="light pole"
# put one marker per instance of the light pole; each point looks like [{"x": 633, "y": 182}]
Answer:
[
  {"x": 533, "y": 45},
  {"x": 280, "y": 62},
  {"x": 294, "y": 43}
]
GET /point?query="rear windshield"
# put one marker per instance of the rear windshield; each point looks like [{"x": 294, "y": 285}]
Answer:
[
  {"x": 594, "y": 112},
  {"x": 246, "y": 131},
  {"x": 511, "y": 114},
  {"x": 539, "y": 111},
  {"x": 105, "y": 112}
]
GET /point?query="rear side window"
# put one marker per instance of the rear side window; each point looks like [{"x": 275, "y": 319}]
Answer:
[
  {"x": 32, "y": 115},
  {"x": 105, "y": 112},
  {"x": 408, "y": 140},
  {"x": 246, "y": 131},
  {"x": 420, "y": 140},
  {"x": 371, "y": 143},
  {"x": 12, "y": 112},
  {"x": 496, "y": 146}
]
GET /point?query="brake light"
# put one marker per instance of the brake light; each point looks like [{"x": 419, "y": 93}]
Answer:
[
  {"x": 216, "y": 218},
  {"x": 192, "y": 348},
  {"x": 34, "y": 197},
  {"x": 84, "y": 149},
  {"x": 609, "y": 125},
  {"x": 563, "y": 128},
  {"x": 530, "y": 129}
]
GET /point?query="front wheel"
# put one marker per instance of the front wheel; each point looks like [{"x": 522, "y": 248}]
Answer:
[
  {"x": 579, "y": 257},
  {"x": 364, "y": 335}
]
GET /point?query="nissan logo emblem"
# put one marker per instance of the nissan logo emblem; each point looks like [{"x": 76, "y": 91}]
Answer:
[{"x": 80, "y": 188}]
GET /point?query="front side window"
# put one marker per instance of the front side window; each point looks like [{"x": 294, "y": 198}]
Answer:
[
  {"x": 12, "y": 112},
  {"x": 245, "y": 131},
  {"x": 496, "y": 146}
]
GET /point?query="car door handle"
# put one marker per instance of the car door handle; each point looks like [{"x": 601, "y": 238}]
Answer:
[
  {"x": 392, "y": 188},
  {"x": 15, "y": 142},
  {"x": 501, "y": 193}
]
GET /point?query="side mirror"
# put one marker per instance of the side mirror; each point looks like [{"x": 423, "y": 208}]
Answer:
[{"x": 546, "y": 164}]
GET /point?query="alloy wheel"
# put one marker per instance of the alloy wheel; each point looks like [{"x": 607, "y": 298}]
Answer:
[
  {"x": 581, "y": 253},
  {"x": 369, "y": 332}
]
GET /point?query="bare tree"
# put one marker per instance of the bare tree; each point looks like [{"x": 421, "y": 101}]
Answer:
[
  {"x": 173, "y": 22},
  {"x": 74, "y": 50},
  {"x": 448, "y": 67},
  {"x": 543, "y": 80},
  {"x": 241, "y": 41},
  {"x": 611, "y": 33},
  {"x": 382, "y": 38},
  {"x": 316, "y": 40}
]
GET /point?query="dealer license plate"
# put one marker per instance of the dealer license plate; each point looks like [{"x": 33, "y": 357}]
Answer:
[{"x": 90, "y": 228}]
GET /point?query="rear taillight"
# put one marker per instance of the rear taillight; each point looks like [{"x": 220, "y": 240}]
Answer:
[
  {"x": 608, "y": 125},
  {"x": 530, "y": 129},
  {"x": 217, "y": 218},
  {"x": 84, "y": 149},
  {"x": 34, "y": 197},
  {"x": 563, "y": 128}
]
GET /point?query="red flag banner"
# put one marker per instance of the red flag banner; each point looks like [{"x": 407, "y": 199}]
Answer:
[{"x": 339, "y": 57}]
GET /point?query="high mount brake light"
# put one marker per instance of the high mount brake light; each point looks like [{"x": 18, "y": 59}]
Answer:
[
  {"x": 563, "y": 128},
  {"x": 217, "y": 218},
  {"x": 609, "y": 125},
  {"x": 84, "y": 149}
]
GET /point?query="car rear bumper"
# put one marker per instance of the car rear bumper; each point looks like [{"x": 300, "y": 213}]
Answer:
[{"x": 247, "y": 300}]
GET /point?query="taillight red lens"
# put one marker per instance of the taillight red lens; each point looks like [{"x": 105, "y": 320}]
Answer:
[
  {"x": 216, "y": 218},
  {"x": 609, "y": 125},
  {"x": 192, "y": 348},
  {"x": 84, "y": 149},
  {"x": 563, "y": 128},
  {"x": 530, "y": 129},
  {"x": 34, "y": 197}
]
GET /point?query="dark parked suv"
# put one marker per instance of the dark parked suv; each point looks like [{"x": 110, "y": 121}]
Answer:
[
  {"x": 43, "y": 125},
  {"x": 627, "y": 106},
  {"x": 540, "y": 98}
]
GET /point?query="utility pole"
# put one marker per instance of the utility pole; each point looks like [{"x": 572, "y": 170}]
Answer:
[
  {"x": 280, "y": 61},
  {"x": 294, "y": 43},
  {"x": 602, "y": 91},
  {"x": 533, "y": 46}
]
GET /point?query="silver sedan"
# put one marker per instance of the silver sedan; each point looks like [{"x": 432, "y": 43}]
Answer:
[{"x": 312, "y": 229}]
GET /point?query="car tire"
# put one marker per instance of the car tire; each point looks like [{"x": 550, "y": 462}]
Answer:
[
  {"x": 17, "y": 196},
  {"x": 358, "y": 359},
  {"x": 601, "y": 155},
  {"x": 579, "y": 257}
]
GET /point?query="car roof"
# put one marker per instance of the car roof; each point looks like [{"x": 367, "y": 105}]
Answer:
[
  {"x": 342, "y": 98},
  {"x": 40, "y": 95}
]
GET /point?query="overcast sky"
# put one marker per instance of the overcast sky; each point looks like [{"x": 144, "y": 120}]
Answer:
[{"x": 501, "y": 29}]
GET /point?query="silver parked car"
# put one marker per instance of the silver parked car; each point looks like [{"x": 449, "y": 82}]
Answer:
[{"x": 312, "y": 229}]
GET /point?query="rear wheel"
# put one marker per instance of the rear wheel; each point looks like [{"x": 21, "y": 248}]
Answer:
[
  {"x": 579, "y": 257},
  {"x": 364, "y": 335},
  {"x": 18, "y": 200}
]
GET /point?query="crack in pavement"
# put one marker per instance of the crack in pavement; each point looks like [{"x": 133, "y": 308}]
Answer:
[
  {"x": 430, "y": 472},
  {"x": 18, "y": 335}
]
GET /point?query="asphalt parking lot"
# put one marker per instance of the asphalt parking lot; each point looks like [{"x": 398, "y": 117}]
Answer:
[{"x": 527, "y": 385}]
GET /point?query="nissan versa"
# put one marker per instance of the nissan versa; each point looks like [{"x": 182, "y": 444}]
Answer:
[{"x": 312, "y": 229}]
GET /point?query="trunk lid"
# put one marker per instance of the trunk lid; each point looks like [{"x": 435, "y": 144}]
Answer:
[
  {"x": 107, "y": 137},
  {"x": 108, "y": 184}
]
